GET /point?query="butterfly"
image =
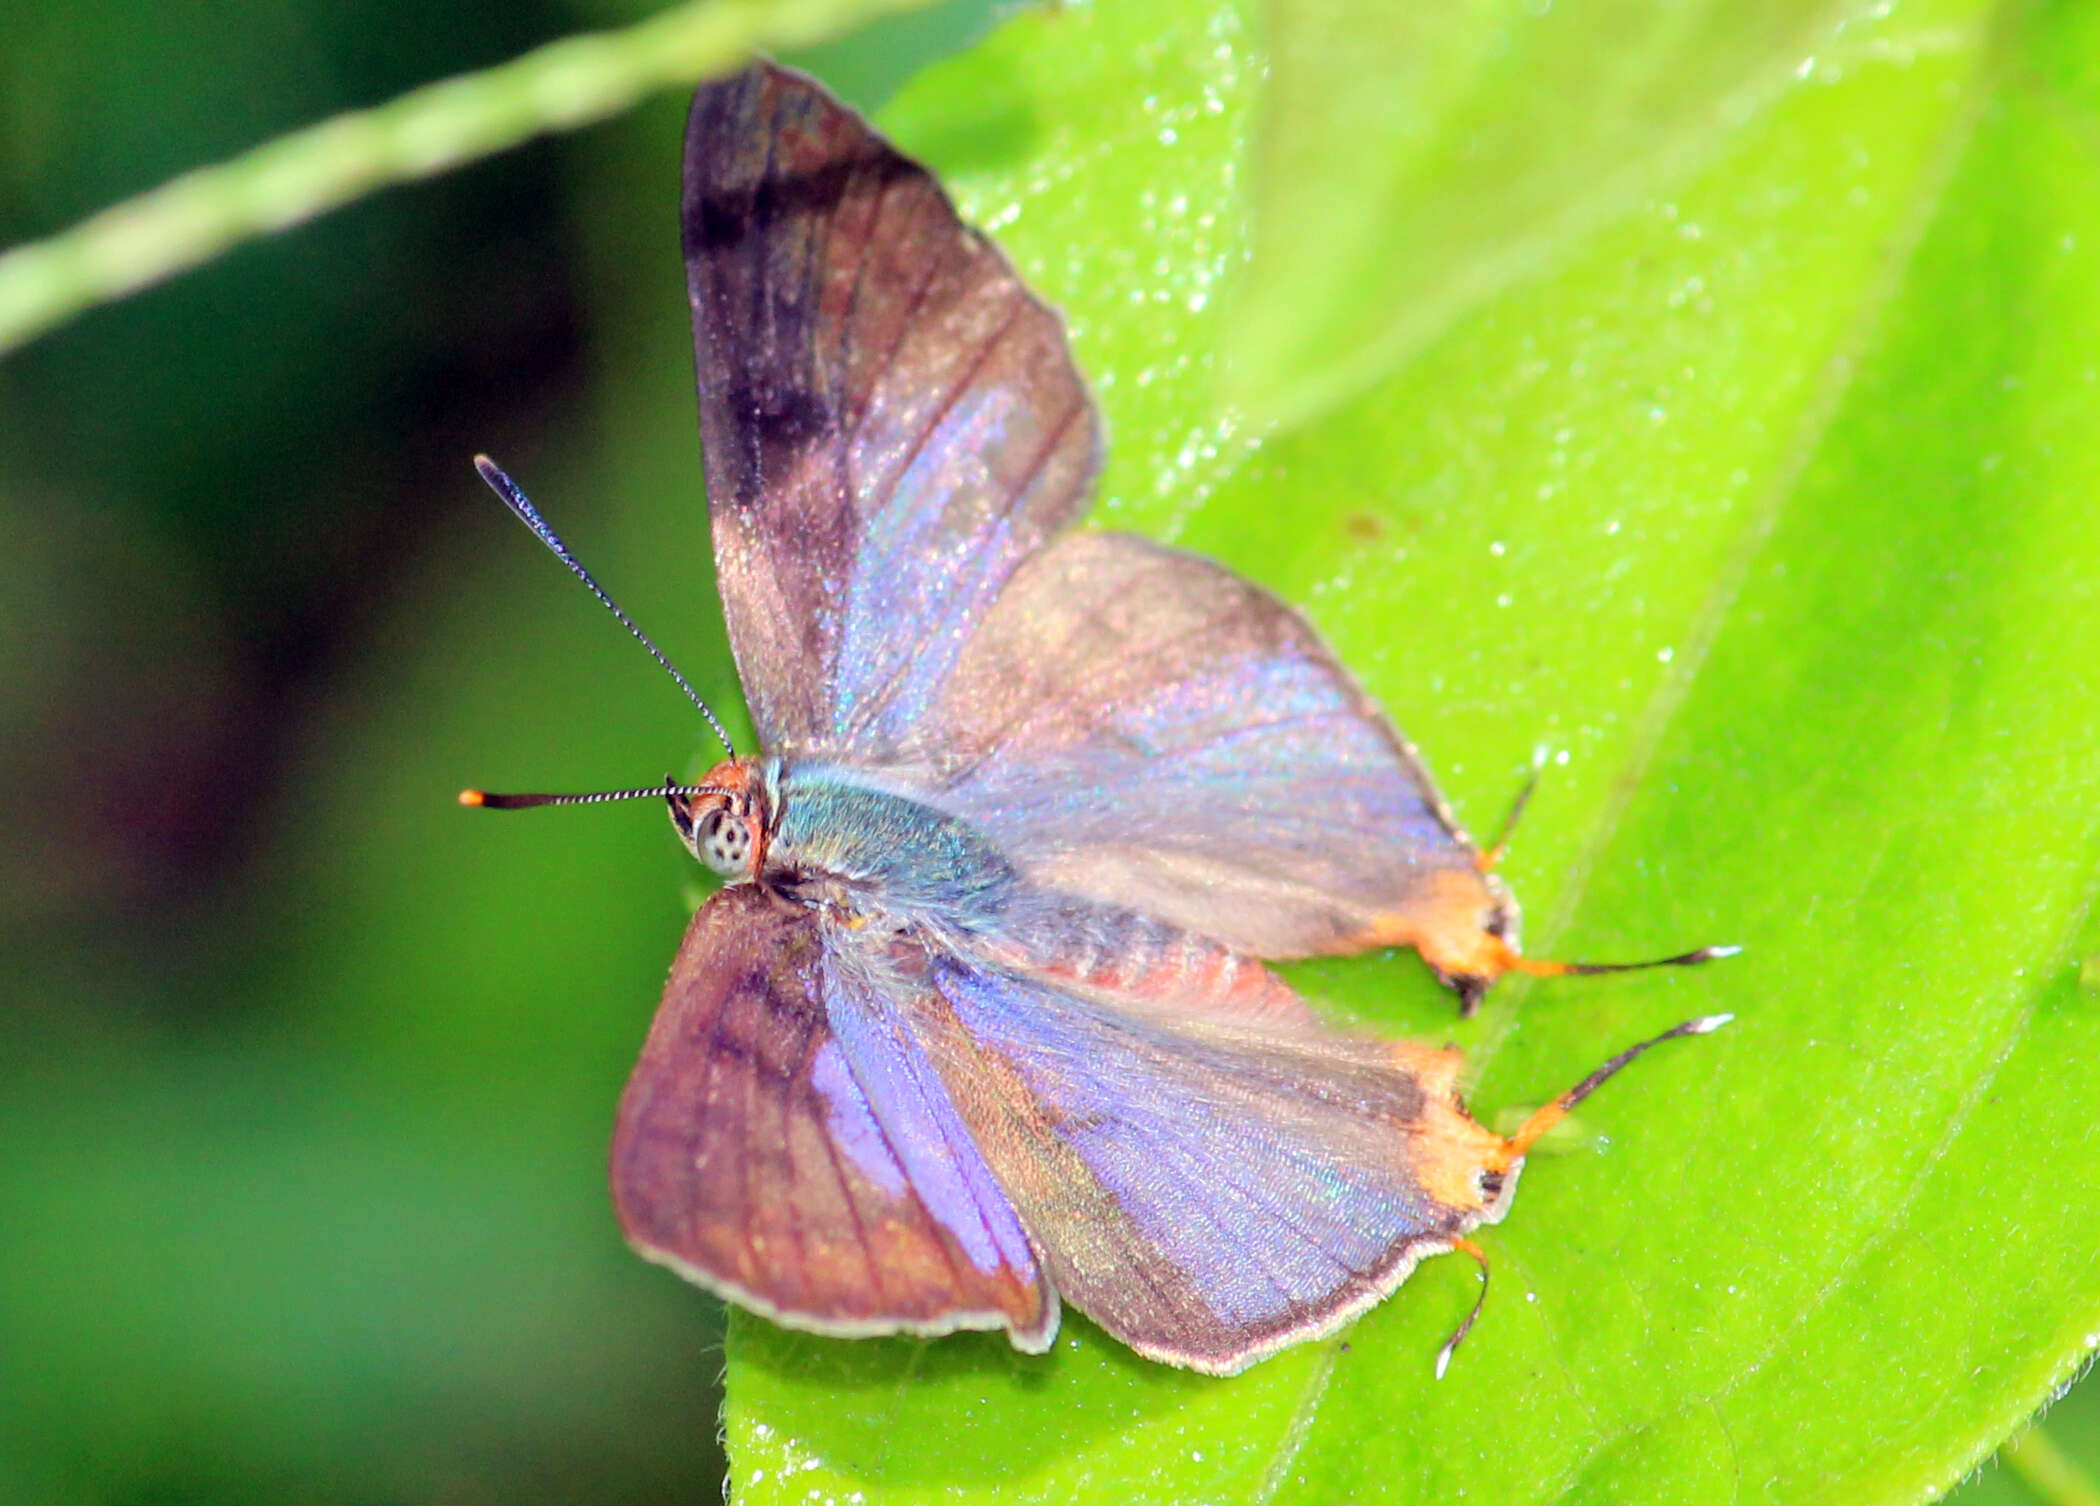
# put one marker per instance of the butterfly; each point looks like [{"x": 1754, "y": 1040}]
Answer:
[{"x": 982, "y": 1021}]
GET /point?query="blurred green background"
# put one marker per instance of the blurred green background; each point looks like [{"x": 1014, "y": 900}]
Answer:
[{"x": 305, "y": 1074}]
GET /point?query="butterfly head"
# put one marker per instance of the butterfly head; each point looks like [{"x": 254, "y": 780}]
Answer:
[{"x": 725, "y": 823}]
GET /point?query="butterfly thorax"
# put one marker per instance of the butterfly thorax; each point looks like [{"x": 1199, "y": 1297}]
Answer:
[
  {"x": 851, "y": 841},
  {"x": 840, "y": 836},
  {"x": 874, "y": 851}
]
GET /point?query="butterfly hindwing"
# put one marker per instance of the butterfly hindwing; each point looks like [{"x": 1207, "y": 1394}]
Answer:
[
  {"x": 1207, "y": 1194},
  {"x": 784, "y": 1142},
  {"x": 860, "y": 1134},
  {"x": 891, "y": 421}
]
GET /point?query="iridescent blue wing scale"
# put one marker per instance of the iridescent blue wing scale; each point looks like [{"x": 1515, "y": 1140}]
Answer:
[
  {"x": 1207, "y": 1194},
  {"x": 784, "y": 1142},
  {"x": 891, "y": 421},
  {"x": 1143, "y": 728}
]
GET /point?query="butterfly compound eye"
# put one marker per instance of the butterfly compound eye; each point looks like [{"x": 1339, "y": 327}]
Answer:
[{"x": 723, "y": 842}]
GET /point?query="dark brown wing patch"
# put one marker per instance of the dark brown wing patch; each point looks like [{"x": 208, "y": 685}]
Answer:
[
  {"x": 892, "y": 422},
  {"x": 752, "y": 1158}
]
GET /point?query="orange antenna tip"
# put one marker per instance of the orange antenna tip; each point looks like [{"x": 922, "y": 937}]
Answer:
[{"x": 472, "y": 798}]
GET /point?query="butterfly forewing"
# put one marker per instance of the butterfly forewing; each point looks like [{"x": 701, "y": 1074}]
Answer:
[
  {"x": 783, "y": 1142},
  {"x": 1139, "y": 726},
  {"x": 891, "y": 422},
  {"x": 895, "y": 436}
]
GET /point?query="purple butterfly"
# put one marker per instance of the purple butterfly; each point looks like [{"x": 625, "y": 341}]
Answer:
[{"x": 980, "y": 1022}]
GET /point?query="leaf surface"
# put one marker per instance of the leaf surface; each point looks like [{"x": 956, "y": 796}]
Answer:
[
  {"x": 1445, "y": 152},
  {"x": 1770, "y": 510}
]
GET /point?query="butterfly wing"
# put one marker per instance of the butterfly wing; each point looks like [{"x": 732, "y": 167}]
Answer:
[
  {"x": 1143, "y": 728},
  {"x": 1208, "y": 1195},
  {"x": 892, "y": 423},
  {"x": 895, "y": 436},
  {"x": 785, "y": 1143}
]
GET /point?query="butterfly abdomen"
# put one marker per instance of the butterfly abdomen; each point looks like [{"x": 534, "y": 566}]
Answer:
[{"x": 1138, "y": 957}]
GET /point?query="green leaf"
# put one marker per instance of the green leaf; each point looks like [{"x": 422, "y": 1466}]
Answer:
[
  {"x": 1770, "y": 511},
  {"x": 1446, "y": 151}
]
